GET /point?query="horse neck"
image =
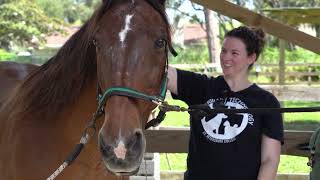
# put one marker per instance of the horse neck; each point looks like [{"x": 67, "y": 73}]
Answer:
[
  {"x": 64, "y": 132},
  {"x": 69, "y": 122},
  {"x": 74, "y": 118}
]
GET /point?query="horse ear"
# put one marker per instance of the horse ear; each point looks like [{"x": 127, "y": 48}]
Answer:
[
  {"x": 106, "y": 1},
  {"x": 162, "y": 2}
]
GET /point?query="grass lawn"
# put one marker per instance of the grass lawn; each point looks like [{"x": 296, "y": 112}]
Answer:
[{"x": 288, "y": 164}]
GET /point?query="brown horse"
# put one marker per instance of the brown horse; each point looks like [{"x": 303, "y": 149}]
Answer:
[
  {"x": 123, "y": 44},
  {"x": 12, "y": 74}
]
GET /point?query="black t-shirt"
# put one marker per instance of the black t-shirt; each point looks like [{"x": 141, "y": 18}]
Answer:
[{"x": 226, "y": 146}]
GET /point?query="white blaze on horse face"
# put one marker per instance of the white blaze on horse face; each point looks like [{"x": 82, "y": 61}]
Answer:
[
  {"x": 120, "y": 151},
  {"x": 124, "y": 32}
]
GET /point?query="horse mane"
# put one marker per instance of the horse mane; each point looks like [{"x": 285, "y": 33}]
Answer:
[{"x": 59, "y": 81}]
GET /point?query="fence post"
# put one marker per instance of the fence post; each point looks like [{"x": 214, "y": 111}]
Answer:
[
  {"x": 309, "y": 76},
  {"x": 281, "y": 62}
]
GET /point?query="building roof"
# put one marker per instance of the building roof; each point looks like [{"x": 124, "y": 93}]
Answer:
[
  {"x": 193, "y": 33},
  {"x": 58, "y": 39}
]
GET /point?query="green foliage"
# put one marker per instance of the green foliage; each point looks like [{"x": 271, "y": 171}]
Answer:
[
  {"x": 70, "y": 11},
  {"x": 197, "y": 54},
  {"x": 78, "y": 12},
  {"x": 299, "y": 55},
  {"x": 173, "y": 161},
  {"x": 269, "y": 56},
  {"x": 22, "y": 23},
  {"x": 52, "y": 8},
  {"x": 4, "y": 55},
  {"x": 7, "y": 1},
  {"x": 293, "y": 164}
]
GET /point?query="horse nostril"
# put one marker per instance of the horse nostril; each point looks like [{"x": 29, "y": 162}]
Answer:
[
  {"x": 138, "y": 135},
  {"x": 104, "y": 148},
  {"x": 135, "y": 141}
]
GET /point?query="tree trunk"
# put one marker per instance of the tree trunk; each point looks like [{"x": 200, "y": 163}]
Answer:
[
  {"x": 89, "y": 3},
  {"x": 211, "y": 38},
  {"x": 317, "y": 29}
]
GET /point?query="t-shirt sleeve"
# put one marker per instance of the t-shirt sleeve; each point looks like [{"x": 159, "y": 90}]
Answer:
[
  {"x": 191, "y": 87},
  {"x": 273, "y": 122}
]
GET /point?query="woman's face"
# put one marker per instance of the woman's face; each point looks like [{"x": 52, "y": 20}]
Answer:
[{"x": 234, "y": 58}]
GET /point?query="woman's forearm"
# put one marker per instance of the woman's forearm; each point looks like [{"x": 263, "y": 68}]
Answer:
[
  {"x": 268, "y": 170},
  {"x": 270, "y": 158}
]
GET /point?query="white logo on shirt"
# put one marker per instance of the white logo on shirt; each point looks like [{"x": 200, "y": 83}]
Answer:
[{"x": 221, "y": 128}]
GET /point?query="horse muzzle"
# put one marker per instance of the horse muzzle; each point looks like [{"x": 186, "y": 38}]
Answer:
[{"x": 123, "y": 157}]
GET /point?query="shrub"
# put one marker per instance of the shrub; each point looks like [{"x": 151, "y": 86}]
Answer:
[
  {"x": 5, "y": 56},
  {"x": 22, "y": 23},
  {"x": 197, "y": 54}
]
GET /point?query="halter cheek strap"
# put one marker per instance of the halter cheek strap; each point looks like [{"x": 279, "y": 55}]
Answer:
[{"x": 129, "y": 92}]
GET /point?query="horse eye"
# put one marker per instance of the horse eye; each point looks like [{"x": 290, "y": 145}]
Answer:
[{"x": 160, "y": 43}]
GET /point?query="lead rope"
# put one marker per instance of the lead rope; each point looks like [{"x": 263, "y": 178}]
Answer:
[
  {"x": 84, "y": 140},
  {"x": 78, "y": 148},
  {"x": 165, "y": 107}
]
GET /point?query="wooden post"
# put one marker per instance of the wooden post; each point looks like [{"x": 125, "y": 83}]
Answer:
[
  {"x": 309, "y": 76},
  {"x": 270, "y": 26},
  {"x": 281, "y": 62}
]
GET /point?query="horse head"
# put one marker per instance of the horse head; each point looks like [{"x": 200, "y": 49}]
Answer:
[{"x": 131, "y": 66}]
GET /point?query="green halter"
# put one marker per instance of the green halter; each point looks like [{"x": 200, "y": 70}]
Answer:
[{"x": 128, "y": 92}]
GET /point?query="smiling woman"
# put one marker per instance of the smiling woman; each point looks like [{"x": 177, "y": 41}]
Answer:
[
  {"x": 246, "y": 144},
  {"x": 122, "y": 49}
]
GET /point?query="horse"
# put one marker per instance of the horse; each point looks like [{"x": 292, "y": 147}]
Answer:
[
  {"x": 12, "y": 74},
  {"x": 121, "y": 52}
]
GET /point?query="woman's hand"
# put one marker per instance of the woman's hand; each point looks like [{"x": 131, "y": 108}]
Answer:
[{"x": 172, "y": 82}]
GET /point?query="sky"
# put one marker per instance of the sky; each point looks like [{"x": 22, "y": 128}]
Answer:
[{"x": 186, "y": 7}]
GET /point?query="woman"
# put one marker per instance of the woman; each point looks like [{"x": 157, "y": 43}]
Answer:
[{"x": 238, "y": 146}]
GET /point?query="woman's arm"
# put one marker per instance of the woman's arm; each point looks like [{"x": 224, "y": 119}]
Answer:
[
  {"x": 172, "y": 82},
  {"x": 270, "y": 157}
]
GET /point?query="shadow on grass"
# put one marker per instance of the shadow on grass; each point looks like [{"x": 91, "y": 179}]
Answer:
[{"x": 304, "y": 125}]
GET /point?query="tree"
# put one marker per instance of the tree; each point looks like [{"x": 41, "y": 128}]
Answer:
[
  {"x": 207, "y": 24},
  {"x": 212, "y": 36},
  {"x": 69, "y": 11},
  {"x": 7, "y": 1},
  {"x": 22, "y": 23}
]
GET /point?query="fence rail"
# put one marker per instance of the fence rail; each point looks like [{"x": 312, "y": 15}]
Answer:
[{"x": 175, "y": 140}]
